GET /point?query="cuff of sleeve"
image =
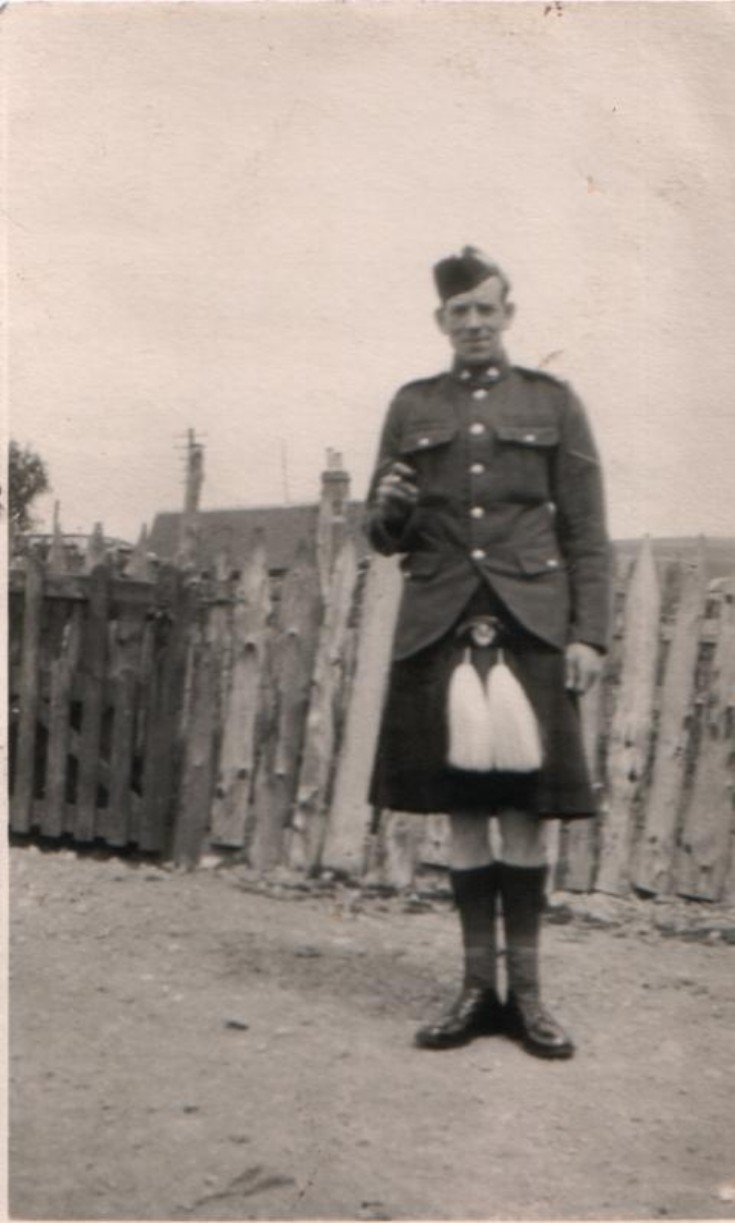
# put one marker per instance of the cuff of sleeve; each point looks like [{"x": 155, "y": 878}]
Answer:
[{"x": 599, "y": 647}]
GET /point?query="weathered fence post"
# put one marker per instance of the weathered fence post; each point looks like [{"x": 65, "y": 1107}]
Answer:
[
  {"x": 22, "y": 805},
  {"x": 116, "y": 822},
  {"x": 308, "y": 826},
  {"x": 93, "y": 667},
  {"x": 238, "y": 755},
  {"x": 350, "y": 813},
  {"x": 170, "y": 630},
  {"x": 197, "y": 777},
  {"x": 63, "y": 668},
  {"x": 707, "y": 832},
  {"x": 294, "y": 648},
  {"x": 655, "y": 858},
  {"x": 630, "y": 734}
]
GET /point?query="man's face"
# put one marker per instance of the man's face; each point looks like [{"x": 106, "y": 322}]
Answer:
[{"x": 474, "y": 322}]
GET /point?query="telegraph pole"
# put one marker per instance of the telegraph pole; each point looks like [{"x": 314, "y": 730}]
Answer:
[{"x": 187, "y": 553}]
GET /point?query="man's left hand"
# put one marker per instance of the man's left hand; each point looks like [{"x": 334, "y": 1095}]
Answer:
[{"x": 584, "y": 664}]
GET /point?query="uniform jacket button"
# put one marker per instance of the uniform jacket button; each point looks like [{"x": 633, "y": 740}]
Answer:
[
  {"x": 477, "y": 511},
  {"x": 478, "y": 554},
  {"x": 477, "y": 428}
]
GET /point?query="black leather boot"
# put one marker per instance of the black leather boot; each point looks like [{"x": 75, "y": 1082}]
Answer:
[
  {"x": 531, "y": 1024},
  {"x": 477, "y": 1011},
  {"x": 527, "y": 1019}
]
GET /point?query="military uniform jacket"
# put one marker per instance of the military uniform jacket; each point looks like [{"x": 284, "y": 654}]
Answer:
[{"x": 510, "y": 493}]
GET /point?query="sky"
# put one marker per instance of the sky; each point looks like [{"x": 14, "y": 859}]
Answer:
[{"x": 224, "y": 217}]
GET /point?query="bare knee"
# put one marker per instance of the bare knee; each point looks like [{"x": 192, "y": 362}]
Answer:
[
  {"x": 469, "y": 843},
  {"x": 523, "y": 838}
]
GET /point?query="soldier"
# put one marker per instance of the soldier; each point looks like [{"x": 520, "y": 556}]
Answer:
[{"x": 488, "y": 484}]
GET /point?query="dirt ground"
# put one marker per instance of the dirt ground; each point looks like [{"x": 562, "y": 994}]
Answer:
[{"x": 205, "y": 1046}]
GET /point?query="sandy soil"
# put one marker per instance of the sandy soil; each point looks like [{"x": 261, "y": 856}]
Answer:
[{"x": 204, "y": 1047}]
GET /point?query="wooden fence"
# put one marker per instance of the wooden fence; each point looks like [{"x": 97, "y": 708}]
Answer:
[{"x": 173, "y": 714}]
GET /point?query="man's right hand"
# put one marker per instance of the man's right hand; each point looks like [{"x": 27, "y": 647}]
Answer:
[{"x": 396, "y": 494}]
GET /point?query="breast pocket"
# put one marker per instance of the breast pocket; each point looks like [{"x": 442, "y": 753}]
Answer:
[
  {"x": 524, "y": 454},
  {"x": 427, "y": 448},
  {"x": 418, "y": 438}
]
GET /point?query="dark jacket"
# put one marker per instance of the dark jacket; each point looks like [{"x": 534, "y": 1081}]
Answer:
[{"x": 510, "y": 493}]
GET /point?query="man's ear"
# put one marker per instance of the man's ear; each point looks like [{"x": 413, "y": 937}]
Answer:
[
  {"x": 510, "y": 313},
  {"x": 440, "y": 319}
]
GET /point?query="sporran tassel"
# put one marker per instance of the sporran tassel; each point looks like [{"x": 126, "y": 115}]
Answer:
[
  {"x": 470, "y": 737},
  {"x": 512, "y": 727}
]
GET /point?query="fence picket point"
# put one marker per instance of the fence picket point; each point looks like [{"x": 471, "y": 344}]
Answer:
[{"x": 96, "y": 553}]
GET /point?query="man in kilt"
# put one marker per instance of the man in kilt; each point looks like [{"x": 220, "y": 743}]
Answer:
[{"x": 488, "y": 483}]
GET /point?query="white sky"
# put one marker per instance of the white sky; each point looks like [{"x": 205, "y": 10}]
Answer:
[{"x": 225, "y": 217}]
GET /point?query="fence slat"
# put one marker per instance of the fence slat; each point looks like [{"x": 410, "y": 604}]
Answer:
[
  {"x": 655, "y": 859},
  {"x": 22, "y": 800},
  {"x": 93, "y": 666},
  {"x": 63, "y": 669},
  {"x": 350, "y": 812},
  {"x": 631, "y": 726},
  {"x": 237, "y": 759},
  {"x": 163, "y": 696},
  {"x": 198, "y": 765},
  {"x": 294, "y": 648},
  {"x": 115, "y": 822},
  {"x": 309, "y": 819},
  {"x": 707, "y": 832}
]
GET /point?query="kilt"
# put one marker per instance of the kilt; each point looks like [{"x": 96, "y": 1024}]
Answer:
[{"x": 410, "y": 771}]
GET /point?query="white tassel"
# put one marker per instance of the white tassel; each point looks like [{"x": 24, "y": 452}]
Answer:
[
  {"x": 470, "y": 740},
  {"x": 513, "y": 729}
]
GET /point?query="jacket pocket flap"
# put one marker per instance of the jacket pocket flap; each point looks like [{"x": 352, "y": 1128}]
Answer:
[
  {"x": 535, "y": 561},
  {"x": 425, "y": 437},
  {"x": 529, "y": 435},
  {"x": 420, "y": 564}
]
